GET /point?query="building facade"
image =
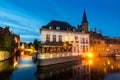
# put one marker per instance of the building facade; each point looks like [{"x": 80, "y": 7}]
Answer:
[
  {"x": 112, "y": 46},
  {"x": 59, "y": 37},
  {"x": 78, "y": 40},
  {"x": 99, "y": 44}
]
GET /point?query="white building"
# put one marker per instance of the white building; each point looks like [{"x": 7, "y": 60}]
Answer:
[
  {"x": 61, "y": 37},
  {"x": 61, "y": 42}
]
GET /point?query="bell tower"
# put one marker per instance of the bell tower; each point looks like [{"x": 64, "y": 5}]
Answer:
[{"x": 84, "y": 23}]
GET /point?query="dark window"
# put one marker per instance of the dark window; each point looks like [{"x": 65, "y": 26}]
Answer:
[
  {"x": 60, "y": 38},
  {"x": 47, "y": 38},
  {"x": 83, "y": 48},
  {"x": 91, "y": 42},
  {"x": 94, "y": 42},
  {"x": 86, "y": 48},
  {"x": 54, "y": 38},
  {"x": 98, "y": 42},
  {"x": 83, "y": 40},
  {"x": 86, "y": 40}
]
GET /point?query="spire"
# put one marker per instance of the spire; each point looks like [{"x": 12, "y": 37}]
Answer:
[{"x": 84, "y": 20}]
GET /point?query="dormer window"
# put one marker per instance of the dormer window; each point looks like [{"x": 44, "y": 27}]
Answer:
[
  {"x": 50, "y": 27},
  {"x": 57, "y": 28}
]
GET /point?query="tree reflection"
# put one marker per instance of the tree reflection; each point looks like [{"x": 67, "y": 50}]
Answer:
[{"x": 7, "y": 67}]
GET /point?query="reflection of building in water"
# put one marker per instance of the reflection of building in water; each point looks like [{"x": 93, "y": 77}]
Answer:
[
  {"x": 67, "y": 71},
  {"x": 8, "y": 66},
  {"x": 102, "y": 66},
  {"x": 6, "y": 69}
]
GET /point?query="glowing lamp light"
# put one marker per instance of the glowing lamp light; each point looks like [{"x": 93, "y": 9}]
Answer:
[
  {"x": 90, "y": 61},
  {"x": 90, "y": 54}
]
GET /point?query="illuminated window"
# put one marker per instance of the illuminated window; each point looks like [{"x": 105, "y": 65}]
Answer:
[
  {"x": 60, "y": 38},
  {"x": 72, "y": 39},
  {"x": 50, "y": 27},
  {"x": 47, "y": 38},
  {"x": 54, "y": 38},
  {"x": 73, "y": 29},
  {"x": 66, "y": 38},
  {"x": 57, "y": 28}
]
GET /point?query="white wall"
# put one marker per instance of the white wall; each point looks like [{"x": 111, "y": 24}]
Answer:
[{"x": 68, "y": 34}]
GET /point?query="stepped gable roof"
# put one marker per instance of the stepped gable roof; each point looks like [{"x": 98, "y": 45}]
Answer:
[{"x": 61, "y": 24}]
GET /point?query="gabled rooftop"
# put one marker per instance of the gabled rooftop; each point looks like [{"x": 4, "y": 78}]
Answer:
[{"x": 60, "y": 24}]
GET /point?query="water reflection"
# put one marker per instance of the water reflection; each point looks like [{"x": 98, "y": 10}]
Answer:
[
  {"x": 24, "y": 68},
  {"x": 7, "y": 67},
  {"x": 66, "y": 71},
  {"x": 101, "y": 67},
  {"x": 87, "y": 69}
]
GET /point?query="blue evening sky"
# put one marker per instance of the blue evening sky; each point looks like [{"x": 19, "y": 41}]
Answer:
[{"x": 25, "y": 17}]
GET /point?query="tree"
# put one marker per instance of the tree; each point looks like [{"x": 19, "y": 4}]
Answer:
[
  {"x": 35, "y": 43},
  {"x": 8, "y": 43}
]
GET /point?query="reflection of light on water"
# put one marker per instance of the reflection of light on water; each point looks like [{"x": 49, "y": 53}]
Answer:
[
  {"x": 105, "y": 70},
  {"x": 111, "y": 66},
  {"x": 90, "y": 61},
  {"x": 22, "y": 53},
  {"x": 15, "y": 64},
  {"x": 108, "y": 62},
  {"x": 26, "y": 57},
  {"x": 25, "y": 65},
  {"x": 90, "y": 54}
]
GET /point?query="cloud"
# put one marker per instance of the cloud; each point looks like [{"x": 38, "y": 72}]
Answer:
[
  {"x": 20, "y": 21},
  {"x": 29, "y": 38}
]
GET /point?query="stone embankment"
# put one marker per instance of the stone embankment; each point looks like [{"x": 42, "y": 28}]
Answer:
[{"x": 4, "y": 55}]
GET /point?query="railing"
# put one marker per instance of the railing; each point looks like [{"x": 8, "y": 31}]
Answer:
[{"x": 53, "y": 55}]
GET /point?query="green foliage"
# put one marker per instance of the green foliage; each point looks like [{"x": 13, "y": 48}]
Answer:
[
  {"x": 30, "y": 44},
  {"x": 35, "y": 43},
  {"x": 8, "y": 43}
]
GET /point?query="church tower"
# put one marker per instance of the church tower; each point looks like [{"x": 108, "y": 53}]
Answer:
[{"x": 84, "y": 23}]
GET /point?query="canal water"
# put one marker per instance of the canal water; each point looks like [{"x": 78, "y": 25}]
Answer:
[{"x": 23, "y": 67}]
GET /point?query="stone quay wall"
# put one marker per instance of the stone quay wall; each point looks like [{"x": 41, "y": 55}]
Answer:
[{"x": 4, "y": 55}]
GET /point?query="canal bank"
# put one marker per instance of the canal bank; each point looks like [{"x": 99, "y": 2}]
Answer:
[
  {"x": 4, "y": 55},
  {"x": 23, "y": 67}
]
